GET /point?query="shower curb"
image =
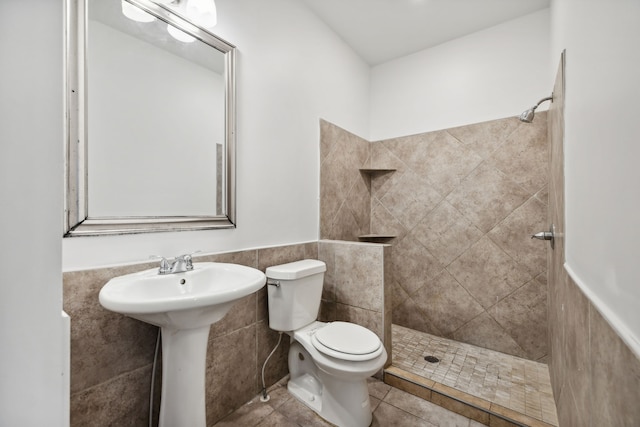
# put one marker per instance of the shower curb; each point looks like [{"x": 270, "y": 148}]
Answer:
[{"x": 475, "y": 408}]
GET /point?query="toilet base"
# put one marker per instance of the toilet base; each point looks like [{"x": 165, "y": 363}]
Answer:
[
  {"x": 345, "y": 403},
  {"x": 342, "y": 402},
  {"x": 308, "y": 390}
]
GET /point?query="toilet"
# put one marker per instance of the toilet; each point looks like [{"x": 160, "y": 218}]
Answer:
[{"x": 329, "y": 363}]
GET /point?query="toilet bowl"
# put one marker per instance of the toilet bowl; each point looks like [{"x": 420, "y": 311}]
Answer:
[
  {"x": 346, "y": 365},
  {"x": 329, "y": 363}
]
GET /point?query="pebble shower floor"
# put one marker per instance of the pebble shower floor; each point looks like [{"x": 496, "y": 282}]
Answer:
[{"x": 518, "y": 384}]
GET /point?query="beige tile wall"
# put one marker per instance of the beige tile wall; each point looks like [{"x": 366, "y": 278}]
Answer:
[
  {"x": 595, "y": 376},
  {"x": 356, "y": 285},
  {"x": 112, "y": 355},
  {"x": 345, "y": 194},
  {"x": 463, "y": 203}
]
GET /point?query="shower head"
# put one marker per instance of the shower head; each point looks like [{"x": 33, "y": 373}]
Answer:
[{"x": 528, "y": 115}]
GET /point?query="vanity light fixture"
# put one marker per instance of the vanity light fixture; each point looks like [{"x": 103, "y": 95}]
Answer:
[
  {"x": 200, "y": 12},
  {"x": 135, "y": 13}
]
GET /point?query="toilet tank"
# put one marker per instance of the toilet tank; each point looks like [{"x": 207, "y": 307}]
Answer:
[{"x": 294, "y": 292}]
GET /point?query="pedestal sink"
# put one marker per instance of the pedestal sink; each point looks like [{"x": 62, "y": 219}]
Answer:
[{"x": 183, "y": 305}]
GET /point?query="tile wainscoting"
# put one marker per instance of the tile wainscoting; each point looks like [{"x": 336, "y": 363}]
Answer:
[{"x": 112, "y": 355}]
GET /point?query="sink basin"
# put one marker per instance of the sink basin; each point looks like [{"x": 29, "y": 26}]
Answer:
[
  {"x": 186, "y": 300},
  {"x": 184, "y": 305}
]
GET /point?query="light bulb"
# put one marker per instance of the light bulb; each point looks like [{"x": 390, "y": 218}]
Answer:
[
  {"x": 179, "y": 34},
  {"x": 135, "y": 13},
  {"x": 202, "y": 12}
]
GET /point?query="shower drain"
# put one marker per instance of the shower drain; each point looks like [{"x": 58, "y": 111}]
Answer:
[{"x": 431, "y": 359}]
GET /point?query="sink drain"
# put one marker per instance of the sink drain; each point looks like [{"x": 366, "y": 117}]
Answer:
[{"x": 431, "y": 359}]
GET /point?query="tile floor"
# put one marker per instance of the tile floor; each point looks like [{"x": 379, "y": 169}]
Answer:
[
  {"x": 391, "y": 407},
  {"x": 518, "y": 384}
]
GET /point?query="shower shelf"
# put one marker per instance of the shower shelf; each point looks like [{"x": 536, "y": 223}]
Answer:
[
  {"x": 372, "y": 171},
  {"x": 376, "y": 238}
]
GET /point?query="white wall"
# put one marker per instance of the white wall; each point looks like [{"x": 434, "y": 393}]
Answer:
[
  {"x": 602, "y": 150},
  {"x": 491, "y": 74},
  {"x": 32, "y": 388},
  {"x": 292, "y": 70}
]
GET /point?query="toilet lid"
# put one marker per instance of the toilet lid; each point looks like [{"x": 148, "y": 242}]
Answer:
[{"x": 342, "y": 339}]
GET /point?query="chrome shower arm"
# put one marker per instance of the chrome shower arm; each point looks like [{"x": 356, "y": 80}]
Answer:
[{"x": 548, "y": 98}]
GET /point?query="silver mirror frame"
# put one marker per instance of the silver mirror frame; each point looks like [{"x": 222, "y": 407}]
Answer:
[{"x": 77, "y": 221}]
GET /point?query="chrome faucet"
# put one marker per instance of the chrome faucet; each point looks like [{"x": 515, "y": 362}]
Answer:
[{"x": 179, "y": 264}]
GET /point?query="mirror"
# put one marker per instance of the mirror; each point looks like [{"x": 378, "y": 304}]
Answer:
[{"x": 151, "y": 115}]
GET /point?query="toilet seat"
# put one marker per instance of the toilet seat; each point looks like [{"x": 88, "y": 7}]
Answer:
[{"x": 347, "y": 341}]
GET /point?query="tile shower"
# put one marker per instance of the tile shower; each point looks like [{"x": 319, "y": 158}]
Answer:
[
  {"x": 457, "y": 207},
  {"x": 462, "y": 204}
]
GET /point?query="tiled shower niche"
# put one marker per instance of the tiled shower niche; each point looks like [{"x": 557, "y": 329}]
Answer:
[{"x": 462, "y": 204}]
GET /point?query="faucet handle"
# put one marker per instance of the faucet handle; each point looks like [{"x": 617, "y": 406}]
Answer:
[
  {"x": 165, "y": 267},
  {"x": 187, "y": 258}
]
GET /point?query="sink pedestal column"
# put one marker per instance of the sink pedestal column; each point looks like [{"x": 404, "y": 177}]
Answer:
[{"x": 184, "y": 358}]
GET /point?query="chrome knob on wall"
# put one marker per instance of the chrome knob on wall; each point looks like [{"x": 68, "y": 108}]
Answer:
[
  {"x": 546, "y": 235},
  {"x": 543, "y": 235}
]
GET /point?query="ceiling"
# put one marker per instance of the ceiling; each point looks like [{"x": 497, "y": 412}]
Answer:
[{"x": 381, "y": 30}]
